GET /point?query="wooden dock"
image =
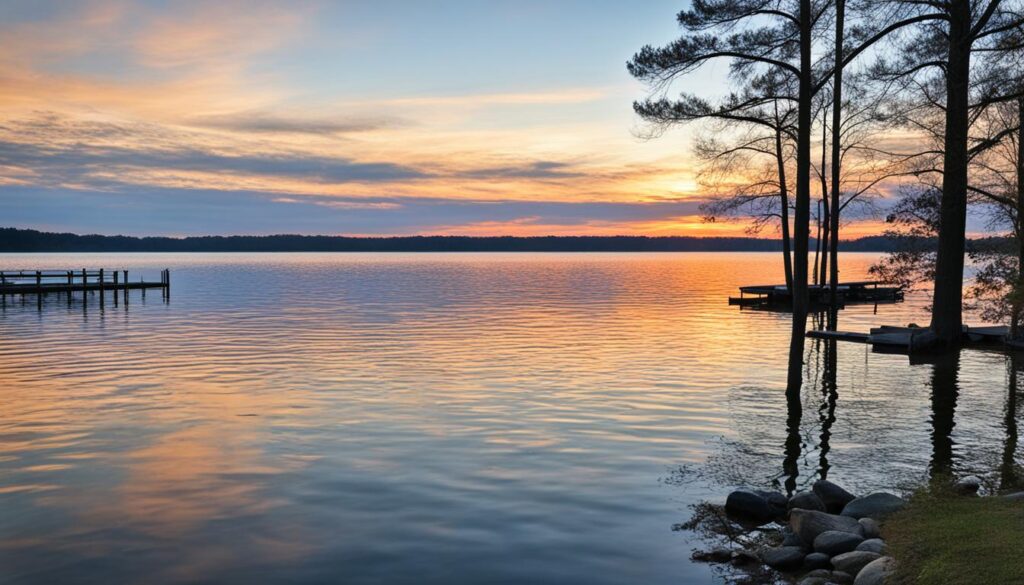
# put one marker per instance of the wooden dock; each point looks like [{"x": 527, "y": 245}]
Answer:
[
  {"x": 892, "y": 339},
  {"x": 102, "y": 281},
  {"x": 866, "y": 291}
]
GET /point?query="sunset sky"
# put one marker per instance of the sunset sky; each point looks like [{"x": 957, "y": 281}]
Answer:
[{"x": 350, "y": 117}]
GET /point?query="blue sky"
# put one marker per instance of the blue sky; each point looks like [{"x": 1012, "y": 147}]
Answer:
[{"x": 348, "y": 117}]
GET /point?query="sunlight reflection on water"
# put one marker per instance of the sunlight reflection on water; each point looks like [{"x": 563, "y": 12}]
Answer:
[{"x": 434, "y": 418}]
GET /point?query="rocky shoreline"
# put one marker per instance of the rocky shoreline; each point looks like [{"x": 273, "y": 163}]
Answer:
[{"x": 825, "y": 536}]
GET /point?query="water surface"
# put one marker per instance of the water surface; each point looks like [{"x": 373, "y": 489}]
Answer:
[{"x": 441, "y": 418}]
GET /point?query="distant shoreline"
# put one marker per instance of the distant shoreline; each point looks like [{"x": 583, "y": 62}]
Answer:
[{"x": 23, "y": 240}]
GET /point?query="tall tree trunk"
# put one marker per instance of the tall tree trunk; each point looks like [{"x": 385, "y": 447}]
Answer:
[
  {"x": 823, "y": 221},
  {"x": 947, "y": 305},
  {"x": 824, "y": 240},
  {"x": 801, "y": 212},
  {"x": 1018, "y": 228},
  {"x": 787, "y": 251},
  {"x": 817, "y": 245},
  {"x": 837, "y": 124}
]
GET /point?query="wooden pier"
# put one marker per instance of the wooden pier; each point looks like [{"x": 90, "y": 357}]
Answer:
[
  {"x": 43, "y": 282},
  {"x": 867, "y": 292},
  {"x": 892, "y": 339}
]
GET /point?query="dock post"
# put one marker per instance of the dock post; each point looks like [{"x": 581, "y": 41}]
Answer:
[
  {"x": 39, "y": 290},
  {"x": 101, "y": 287},
  {"x": 115, "y": 288},
  {"x": 126, "y": 287}
]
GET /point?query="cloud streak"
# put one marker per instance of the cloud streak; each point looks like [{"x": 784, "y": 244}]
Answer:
[{"x": 269, "y": 123}]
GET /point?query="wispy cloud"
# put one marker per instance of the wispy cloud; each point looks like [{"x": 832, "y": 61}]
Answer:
[
  {"x": 560, "y": 96},
  {"x": 270, "y": 123}
]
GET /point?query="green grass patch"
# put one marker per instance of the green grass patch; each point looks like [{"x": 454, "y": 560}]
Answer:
[{"x": 948, "y": 540}]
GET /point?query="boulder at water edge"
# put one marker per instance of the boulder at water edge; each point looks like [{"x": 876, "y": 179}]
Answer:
[
  {"x": 776, "y": 501},
  {"x": 967, "y": 486},
  {"x": 783, "y": 557},
  {"x": 853, "y": 562},
  {"x": 749, "y": 506},
  {"x": 876, "y": 572},
  {"x": 871, "y": 528},
  {"x": 877, "y": 505},
  {"x": 875, "y": 545},
  {"x": 808, "y": 524},
  {"x": 817, "y": 561},
  {"x": 833, "y": 496},
  {"x": 834, "y": 542},
  {"x": 806, "y": 501}
]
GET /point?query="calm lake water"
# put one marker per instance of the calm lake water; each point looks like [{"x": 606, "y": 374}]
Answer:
[{"x": 441, "y": 418}]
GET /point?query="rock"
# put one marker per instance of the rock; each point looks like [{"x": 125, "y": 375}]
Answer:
[
  {"x": 814, "y": 581},
  {"x": 822, "y": 573},
  {"x": 1017, "y": 496},
  {"x": 834, "y": 543},
  {"x": 876, "y": 572},
  {"x": 744, "y": 557},
  {"x": 715, "y": 555},
  {"x": 808, "y": 524},
  {"x": 871, "y": 528},
  {"x": 875, "y": 545},
  {"x": 816, "y": 561},
  {"x": 776, "y": 501},
  {"x": 806, "y": 501},
  {"x": 783, "y": 557},
  {"x": 877, "y": 505},
  {"x": 790, "y": 538},
  {"x": 853, "y": 562},
  {"x": 841, "y": 578},
  {"x": 833, "y": 496},
  {"x": 967, "y": 486},
  {"x": 749, "y": 506}
]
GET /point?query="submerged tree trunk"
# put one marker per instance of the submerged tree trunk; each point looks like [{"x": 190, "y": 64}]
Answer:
[
  {"x": 947, "y": 305},
  {"x": 945, "y": 391},
  {"x": 837, "y": 119},
  {"x": 1008, "y": 470},
  {"x": 801, "y": 212},
  {"x": 787, "y": 252}
]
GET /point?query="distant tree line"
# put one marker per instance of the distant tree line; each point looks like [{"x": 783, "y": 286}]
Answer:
[{"x": 23, "y": 240}]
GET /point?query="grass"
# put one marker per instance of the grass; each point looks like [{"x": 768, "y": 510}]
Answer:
[{"x": 942, "y": 539}]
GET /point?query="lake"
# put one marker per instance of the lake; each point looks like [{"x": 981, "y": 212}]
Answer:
[{"x": 442, "y": 418}]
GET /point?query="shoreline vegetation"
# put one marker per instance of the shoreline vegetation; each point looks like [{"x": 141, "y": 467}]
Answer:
[
  {"x": 943, "y": 538},
  {"x": 14, "y": 240},
  {"x": 28, "y": 240}
]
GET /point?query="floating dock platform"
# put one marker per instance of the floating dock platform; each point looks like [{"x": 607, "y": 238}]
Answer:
[
  {"x": 893, "y": 339},
  {"x": 867, "y": 291}
]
